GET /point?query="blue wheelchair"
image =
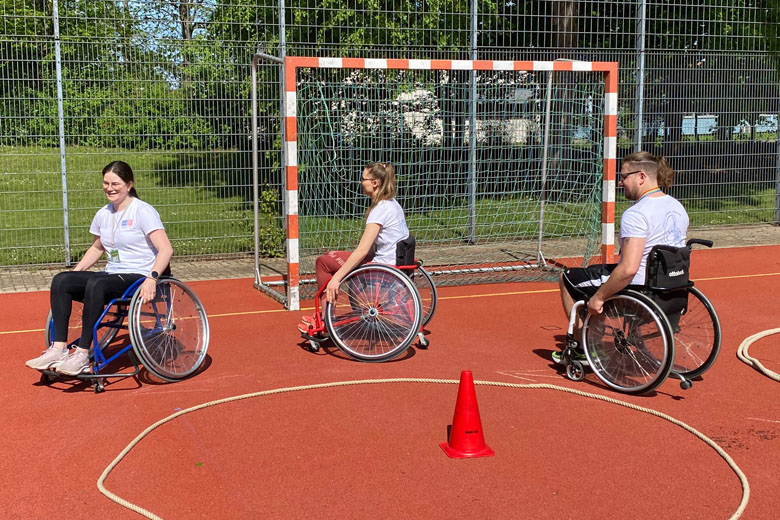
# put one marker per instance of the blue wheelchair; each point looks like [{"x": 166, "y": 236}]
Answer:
[{"x": 169, "y": 335}]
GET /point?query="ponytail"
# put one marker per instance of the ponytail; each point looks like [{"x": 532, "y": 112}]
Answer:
[{"x": 665, "y": 173}]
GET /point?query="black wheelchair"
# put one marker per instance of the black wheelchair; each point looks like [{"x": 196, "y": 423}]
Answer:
[
  {"x": 380, "y": 309},
  {"x": 646, "y": 333},
  {"x": 169, "y": 335}
]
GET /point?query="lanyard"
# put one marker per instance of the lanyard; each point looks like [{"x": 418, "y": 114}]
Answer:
[
  {"x": 648, "y": 192},
  {"x": 115, "y": 222}
]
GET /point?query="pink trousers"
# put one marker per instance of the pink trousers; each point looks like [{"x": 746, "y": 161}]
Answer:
[{"x": 327, "y": 264}]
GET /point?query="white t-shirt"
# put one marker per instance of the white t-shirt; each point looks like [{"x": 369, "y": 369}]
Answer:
[
  {"x": 659, "y": 220},
  {"x": 390, "y": 216},
  {"x": 127, "y": 232}
]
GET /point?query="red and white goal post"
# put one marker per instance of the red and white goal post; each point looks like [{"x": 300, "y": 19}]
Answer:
[{"x": 524, "y": 81}]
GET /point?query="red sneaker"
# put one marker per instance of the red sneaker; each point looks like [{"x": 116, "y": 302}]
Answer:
[{"x": 309, "y": 320}]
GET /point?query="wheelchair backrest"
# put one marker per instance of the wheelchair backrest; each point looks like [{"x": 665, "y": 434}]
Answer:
[
  {"x": 668, "y": 267},
  {"x": 667, "y": 279},
  {"x": 404, "y": 251}
]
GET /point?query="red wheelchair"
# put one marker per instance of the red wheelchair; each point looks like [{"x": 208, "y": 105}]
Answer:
[{"x": 380, "y": 309}]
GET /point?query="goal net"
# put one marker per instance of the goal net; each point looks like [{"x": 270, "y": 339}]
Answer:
[{"x": 505, "y": 169}]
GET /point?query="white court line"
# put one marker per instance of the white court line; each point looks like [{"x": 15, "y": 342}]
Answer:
[{"x": 765, "y": 420}]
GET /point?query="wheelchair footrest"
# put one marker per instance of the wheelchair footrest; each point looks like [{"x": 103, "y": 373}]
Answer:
[{"x": 317, "y": 336}]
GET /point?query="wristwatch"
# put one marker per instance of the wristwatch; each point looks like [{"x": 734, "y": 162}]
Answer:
[{"x": 154, "y": 274}]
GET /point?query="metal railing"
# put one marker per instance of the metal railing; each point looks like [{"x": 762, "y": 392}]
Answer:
[{"x": 165, "y": 86}]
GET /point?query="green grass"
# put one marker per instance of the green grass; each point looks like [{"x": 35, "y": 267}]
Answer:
[
  {"x": 213, "y": 218},
  {"x": 496, "y": 220},
  {"x": 758, "y": 207},
  {"x": 206, "y": 214},
  {"x": 766, "y": 136}
]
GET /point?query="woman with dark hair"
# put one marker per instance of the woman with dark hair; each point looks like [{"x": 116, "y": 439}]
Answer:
[
  {"x": 385, "y": 227},
  {"x": 132, "y": 235}
]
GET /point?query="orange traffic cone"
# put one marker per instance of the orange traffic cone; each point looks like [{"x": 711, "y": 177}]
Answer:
[{"x": 465, "y": 438}]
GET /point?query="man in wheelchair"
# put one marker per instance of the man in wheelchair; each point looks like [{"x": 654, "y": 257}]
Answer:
[{"x": 653, "y": 219}]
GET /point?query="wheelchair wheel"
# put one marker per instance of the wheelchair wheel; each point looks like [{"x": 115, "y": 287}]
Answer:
[
  {"x": 105, "y": 334},
  {"x": 376, "y": 315},
  {"x": 428, "y": 295},
  {"x": 696, "y": 337},
  {"x": 629, "y": 345},
  {"x": 170, "y": 334}
]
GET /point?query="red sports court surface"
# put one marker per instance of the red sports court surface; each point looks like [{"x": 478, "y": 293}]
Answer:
[{"x": 373, "y": 450}]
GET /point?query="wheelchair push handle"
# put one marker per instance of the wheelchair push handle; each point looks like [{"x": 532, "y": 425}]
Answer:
[{"x": 700, "y": 241}]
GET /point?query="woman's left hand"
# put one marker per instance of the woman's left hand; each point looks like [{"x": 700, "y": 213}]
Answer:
[
  {"x": 148, "y": 289},
  {"x": 332, "y": 290}
]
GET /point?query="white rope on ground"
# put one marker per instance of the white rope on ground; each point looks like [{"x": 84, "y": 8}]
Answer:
[
  {"x": 742, "y": 353},
  {"x": 129, "y": 505}
]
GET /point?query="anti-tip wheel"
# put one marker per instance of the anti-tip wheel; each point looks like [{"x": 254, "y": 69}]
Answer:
[
  {"x": 314, "y": 346},
  {"x": 686, "y": 384},
  {"x": 575, "y": 371},
  {"x": 424, "y": 342}
]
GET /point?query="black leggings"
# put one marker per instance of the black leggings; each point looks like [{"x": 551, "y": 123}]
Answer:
[{"x": 94, "y": 289}]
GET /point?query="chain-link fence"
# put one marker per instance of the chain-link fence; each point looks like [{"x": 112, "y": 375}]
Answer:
[{"x": 164, "y": 85}]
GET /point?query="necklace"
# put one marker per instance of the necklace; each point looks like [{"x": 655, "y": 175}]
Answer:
[{"x": 648, "y": 192}]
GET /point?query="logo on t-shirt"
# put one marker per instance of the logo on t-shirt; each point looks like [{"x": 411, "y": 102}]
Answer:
[{"x": 127, "y": 223}]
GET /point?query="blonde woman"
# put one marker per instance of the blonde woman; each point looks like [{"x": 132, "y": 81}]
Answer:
[{"x": 385, "y": 227}]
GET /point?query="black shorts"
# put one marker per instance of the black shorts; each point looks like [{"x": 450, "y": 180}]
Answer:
[{"x": 583, "y": 282}]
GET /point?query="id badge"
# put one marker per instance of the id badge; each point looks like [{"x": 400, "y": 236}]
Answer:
[{"x": 113, "y": 255}]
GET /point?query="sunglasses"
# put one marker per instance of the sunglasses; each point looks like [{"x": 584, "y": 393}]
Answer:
[
  {"x": 622, "y": 176},
  {"x": 363, "y": 179}
]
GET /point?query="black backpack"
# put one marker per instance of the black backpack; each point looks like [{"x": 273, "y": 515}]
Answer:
[{"x": 667, "y": 279}]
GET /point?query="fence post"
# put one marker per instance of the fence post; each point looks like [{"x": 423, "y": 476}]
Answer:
[
  {"x": 472, "y": 175},
  {"x": 640, "y": 76},
  {"x": 777, "y": 181},
  {"x": 283, "y": 104},
  {"x": 255, "y": 173},
  {"x": 545, "y": 161},
  {"x": 61, "y": 126}
]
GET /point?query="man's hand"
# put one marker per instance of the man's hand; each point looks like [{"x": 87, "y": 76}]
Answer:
[{"x": 595, "y": 305}]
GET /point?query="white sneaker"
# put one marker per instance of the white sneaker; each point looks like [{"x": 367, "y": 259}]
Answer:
[
  {"x": 74, "y": 364},
  {"x": 47, "y": 359}
]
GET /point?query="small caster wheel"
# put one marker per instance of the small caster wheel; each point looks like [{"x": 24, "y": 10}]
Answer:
[
  {"x": 99, "y": 387},
  {"x": 424, "y": 342},
  {"x": 45, "y": 379},
  {"x": 314, "y": 346},
  {"x": 575, "y": 371},
  {"x": 686, "y": 384}
]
